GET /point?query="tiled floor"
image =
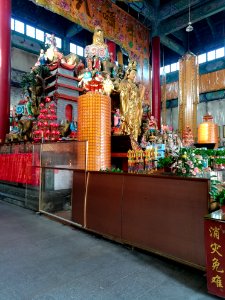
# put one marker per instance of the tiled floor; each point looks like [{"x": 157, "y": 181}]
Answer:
[{"x": 44, "y": 260}]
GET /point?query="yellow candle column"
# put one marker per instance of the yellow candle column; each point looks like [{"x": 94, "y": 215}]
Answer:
[
  {"x": 188, "y": 95},
  {"x": 94, "y": 125}
]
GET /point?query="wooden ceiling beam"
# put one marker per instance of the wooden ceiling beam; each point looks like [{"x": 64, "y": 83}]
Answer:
[
  {"x": 169, "y": 43},
  {"x": 73, "y": 30},
  {"x": 175, "y": 7}
]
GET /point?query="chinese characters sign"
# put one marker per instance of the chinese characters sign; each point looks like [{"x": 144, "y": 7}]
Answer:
[{"x": 215, "y": 257}]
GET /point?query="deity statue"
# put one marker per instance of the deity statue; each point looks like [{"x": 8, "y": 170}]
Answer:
[
  {"x": 108, "y": 85},
  {"x": 117, "y": 118},
  {"x": 42, "y": 59},
  {"x": 131, "y": 96},
  {"x": 52, "y": 52},
  {"x": 152, "y": 125},
  {"x": 97, "y": 54}
]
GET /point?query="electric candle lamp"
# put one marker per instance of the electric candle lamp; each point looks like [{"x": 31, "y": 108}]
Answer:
[{"x": 208, "y": 131}]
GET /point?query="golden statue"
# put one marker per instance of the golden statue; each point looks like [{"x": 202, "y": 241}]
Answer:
[
  {"x": 98, "y": 37},
  {"x": 131, "y": 96}
]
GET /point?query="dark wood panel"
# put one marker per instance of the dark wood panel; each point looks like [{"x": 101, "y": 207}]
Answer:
[
  {"x": 103, "y": 203},
  {"x": 78, "y": 197},
  {"x": 165, "y": 215}
]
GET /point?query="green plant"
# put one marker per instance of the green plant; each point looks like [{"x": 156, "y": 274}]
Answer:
[
  {"x": 214, "y": 190},
  {"x": 166, "y": 161},
  {"x": 220, "y": 197},
  {"x": 30, "y": 79},
  {"x": 219, "y": 160},
  {"x": 113, "y": 170}
]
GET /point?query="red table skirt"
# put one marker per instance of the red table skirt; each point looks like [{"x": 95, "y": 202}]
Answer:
[{"x": 18, "y": 168}]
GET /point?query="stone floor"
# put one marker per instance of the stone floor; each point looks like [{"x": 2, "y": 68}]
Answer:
[{"x": 42, "y": 259}]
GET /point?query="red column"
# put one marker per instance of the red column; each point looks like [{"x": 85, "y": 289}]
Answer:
[
  {"x": 5, "y": 47},
  {"x": 156, "y": 90}
]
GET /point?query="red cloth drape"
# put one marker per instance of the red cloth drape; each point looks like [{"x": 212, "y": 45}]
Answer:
[{"x": 18, "y": 168}]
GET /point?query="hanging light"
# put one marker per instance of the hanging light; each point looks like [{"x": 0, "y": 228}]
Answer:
[{"x": 189, "y": 28}]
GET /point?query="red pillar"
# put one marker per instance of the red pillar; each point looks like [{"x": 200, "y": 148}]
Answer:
[
  {"x": 156, "y": 89},
  {"x": 5, "y": 47}
]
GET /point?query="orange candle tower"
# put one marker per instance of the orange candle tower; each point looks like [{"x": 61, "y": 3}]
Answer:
[{"x": 94, "y": 125}]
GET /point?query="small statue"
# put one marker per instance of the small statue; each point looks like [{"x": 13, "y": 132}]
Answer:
[
  {"x": 73, "y": 128},
  {"x": 117, "y": 118},
  {"x": 42, "y": 59},
  {"x": 153, "y": 127},
  {"x": 84, "y": 79},
  {"x": 51, "y": 41},
  {"x": 107, "y": 85},
  {"x": 52, "y": 52}
]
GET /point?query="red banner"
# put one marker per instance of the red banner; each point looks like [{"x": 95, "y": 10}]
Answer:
[{"x": 215, "y": 256}]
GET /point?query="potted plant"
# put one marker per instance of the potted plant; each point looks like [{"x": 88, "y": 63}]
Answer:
[
  {"x": 165, "y": 163},
  {"x": 214, "y": 191},
  {"x": 220, "y": 198}
]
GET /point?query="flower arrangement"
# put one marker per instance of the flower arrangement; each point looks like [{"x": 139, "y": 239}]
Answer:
[{"x": 188, "y": 163}]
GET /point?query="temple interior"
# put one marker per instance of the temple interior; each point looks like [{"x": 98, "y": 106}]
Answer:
[{"x": 112, "y": 149}]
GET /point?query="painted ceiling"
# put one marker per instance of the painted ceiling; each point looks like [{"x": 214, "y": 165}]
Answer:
[{"x": 167, "y": 19}]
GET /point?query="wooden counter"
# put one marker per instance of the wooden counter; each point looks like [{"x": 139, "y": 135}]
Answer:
[{"x": 162, "y": 214}]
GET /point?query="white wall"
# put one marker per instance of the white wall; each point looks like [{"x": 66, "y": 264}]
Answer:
[{"x": 22, "y": 60}]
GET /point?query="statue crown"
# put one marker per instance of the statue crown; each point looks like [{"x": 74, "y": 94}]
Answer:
[{"x": 132, "y": 65}]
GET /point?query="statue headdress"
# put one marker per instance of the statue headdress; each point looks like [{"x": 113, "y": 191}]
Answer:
[
  {"x": 132, "y": 65},
  {"x": 98, "y": 28}
]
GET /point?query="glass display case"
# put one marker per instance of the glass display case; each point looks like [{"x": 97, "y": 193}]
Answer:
[{"x": 57, "y": 163}]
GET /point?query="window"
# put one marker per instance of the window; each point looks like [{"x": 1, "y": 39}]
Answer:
[
  {"x": 58, "y": 42},
  {"x": 40, "y": 35},
  {"x": 202, "y": 58},
  {"x": 30, "y": 31},
  {"x": 173, "y": 67},
  {"x": 80, "y": 51},
  {"x": 12, "y": 24},
  {"x": 73, "y": 48},
  {"x": 162, "y": 71},
  {"x": 76, "y": 49},
  {"x": 219, "y": 52},
  {"x": 167, "y": 69},
  {"x": 19, "y": 26},
  {"x": 211, "y": 55},
  {"x": 47, "y": 35}
]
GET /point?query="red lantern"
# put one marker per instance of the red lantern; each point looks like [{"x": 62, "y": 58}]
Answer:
[
  {"x": 51, "y": 105},
  {"x": 47, "y": 99}
]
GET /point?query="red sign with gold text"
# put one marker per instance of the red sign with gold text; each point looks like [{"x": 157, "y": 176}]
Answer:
[{"x": 215, "y": 257}]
